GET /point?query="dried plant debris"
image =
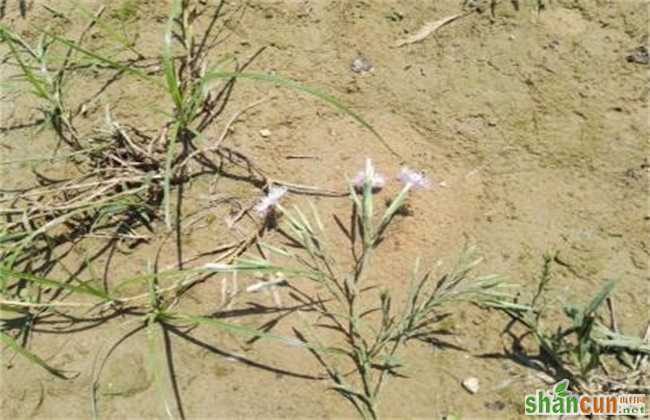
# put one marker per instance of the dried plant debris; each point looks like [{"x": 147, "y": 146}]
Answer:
[{"x": 427, "y": 29}]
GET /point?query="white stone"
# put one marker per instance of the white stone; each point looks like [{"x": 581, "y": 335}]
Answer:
[{"x": 471, "y": 385}]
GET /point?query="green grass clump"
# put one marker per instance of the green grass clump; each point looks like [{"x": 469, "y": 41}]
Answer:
[{"x": 594, "y": 356}]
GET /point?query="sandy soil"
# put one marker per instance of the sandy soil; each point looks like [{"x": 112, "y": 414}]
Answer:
[{"x": 536, "y": 122}]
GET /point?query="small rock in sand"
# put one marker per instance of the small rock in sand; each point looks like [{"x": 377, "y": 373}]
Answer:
[
  {"x": 361, "y": 65},
  {"x": 471, "y": 385},
  {"x": 639, "y": 56},
  {"x": 265, "y": 133}
]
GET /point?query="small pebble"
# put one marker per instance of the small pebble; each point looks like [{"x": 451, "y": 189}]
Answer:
[
  {"x": 361, "y": 65},
  {"x": 471, "y": 385},
  {"x": 265, "y": 133},
  {"x": 639, "y": 56}
]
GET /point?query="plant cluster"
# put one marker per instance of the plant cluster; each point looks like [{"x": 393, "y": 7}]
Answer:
[
  {"x": 128, "y": 177},
  {"x": 589, "y": 351},
  {"x": 370, "y": 336},
  {"x": 126, "y": 188}
]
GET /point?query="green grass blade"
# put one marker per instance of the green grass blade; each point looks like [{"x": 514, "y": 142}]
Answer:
[
  {"x": 12, "y": 344},
  {"x": 156, "y": 363},
  {"x": 169, "y": 159},
  {"x": 128, "y": 69},
  {"x": 13, "y": 310},
  {"x": 113, "y": 34},
  {"x": 245, "y": 331},
  {"x": 166, "y": 275},
  {"x": 142, "y": 278},
  {"x": 276, "y": 250},
  {"x": 622, "y": 342},
  {"x": 395, "y": 205},
  {"x": 40, "y": 89},
  {"x": 331, "y": 100},
  {"x": 12, "y": 237},
  {"x": 83, "y": 288},
  {"x": 600, "y": 297},
  {"x": 168, "y": 63}
]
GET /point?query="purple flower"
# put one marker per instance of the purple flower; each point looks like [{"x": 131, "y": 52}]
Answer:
[
  {"x": 413, "y": 178},
  {"x": 377, "y": 180},
  {"x": 272, "y": 198}
]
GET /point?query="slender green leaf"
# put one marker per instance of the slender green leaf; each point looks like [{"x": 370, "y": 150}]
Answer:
[
  {"x": 11, "y": 343},
  {"x": 169, "y": 159},
  {"x": 331, "y": 100},
  {"x": 600, "y": 297},
  {"x": 114, "y": 64},
  {"x": 167, "y": 62},
  {"x": 156, "y": 363},
  {"x": 40, "y": 88},
  {"x": 246, "y": 331},
  {"x": 82, "y": 288}
]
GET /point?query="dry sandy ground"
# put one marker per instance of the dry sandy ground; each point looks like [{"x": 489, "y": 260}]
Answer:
[{"x": 536, "y": 122}]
